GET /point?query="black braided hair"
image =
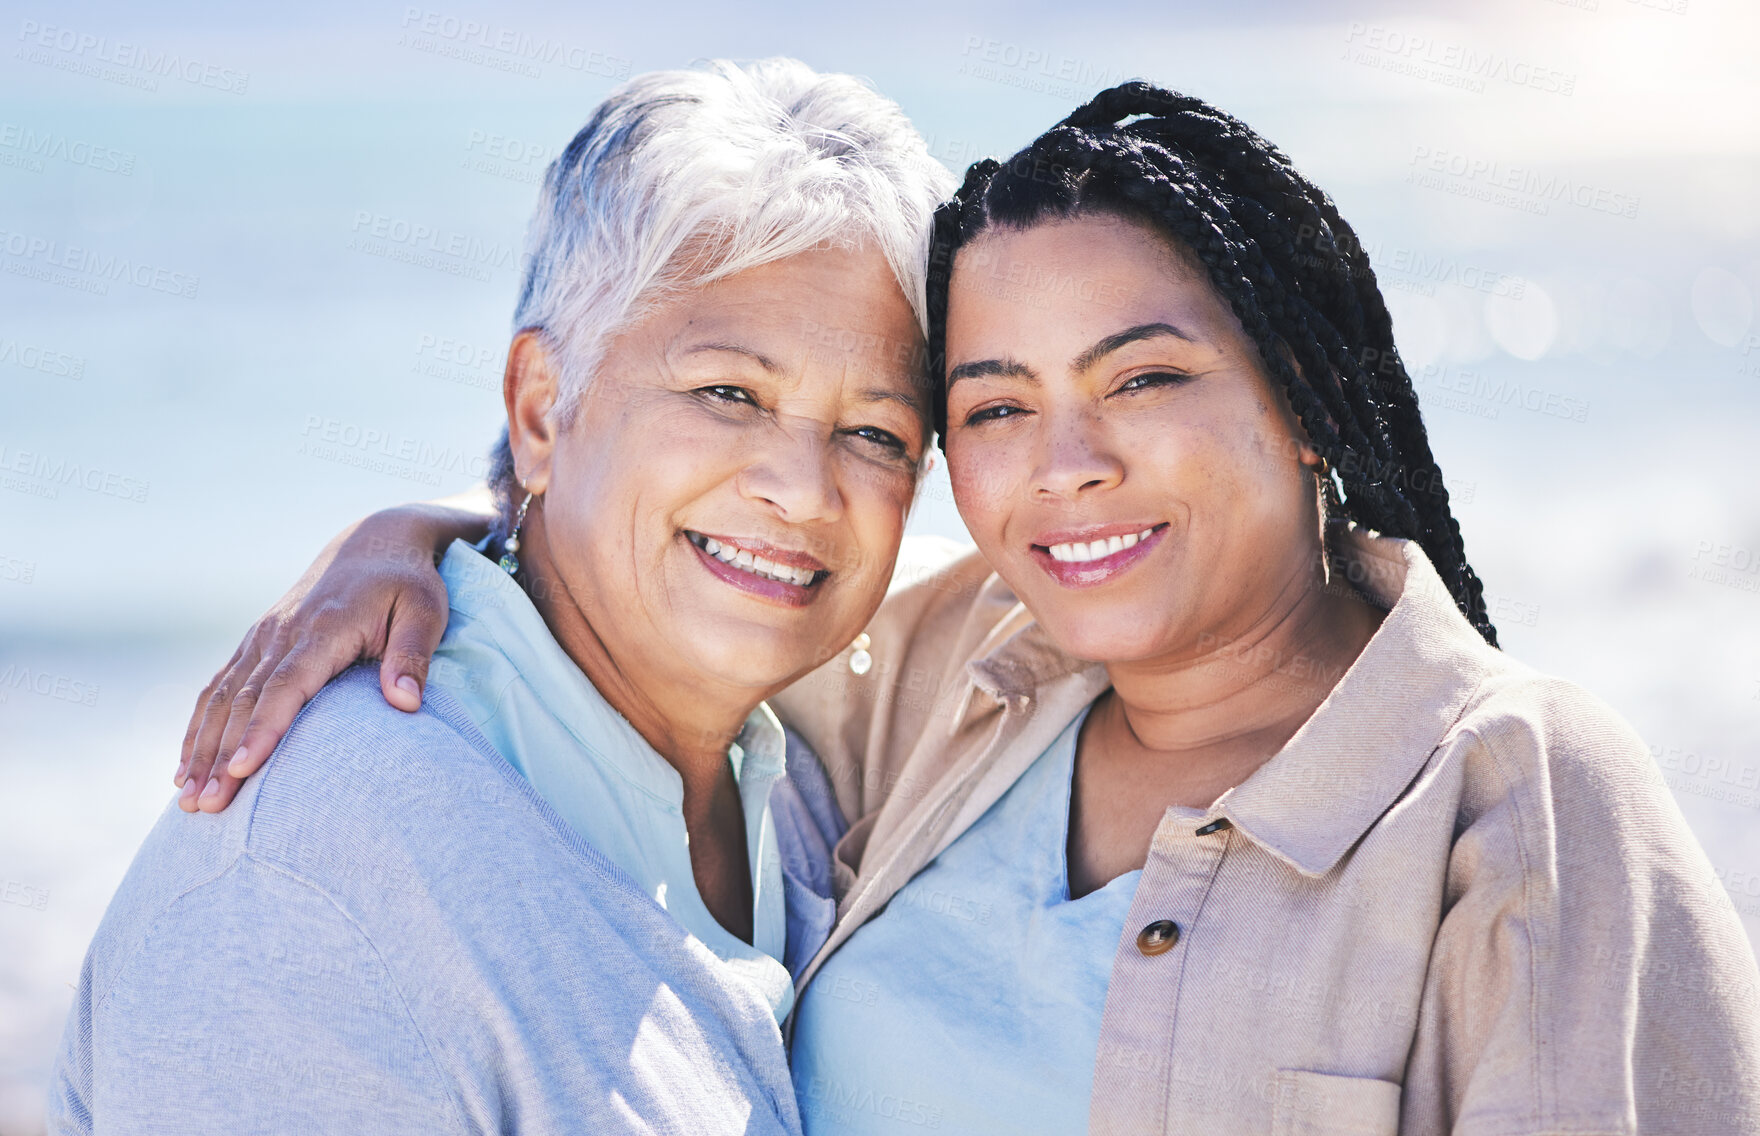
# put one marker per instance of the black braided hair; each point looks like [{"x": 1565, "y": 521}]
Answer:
[{"x": 1276, "y": 249}]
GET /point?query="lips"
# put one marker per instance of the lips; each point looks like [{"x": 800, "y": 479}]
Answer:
[
  {"x": 786, "y": 575},
  {"x": 1085, "y": 558}
]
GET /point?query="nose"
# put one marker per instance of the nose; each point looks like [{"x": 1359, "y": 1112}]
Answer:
[
  {"x": 1075, "y": 459},
  {"x": 795, "y": 473}
]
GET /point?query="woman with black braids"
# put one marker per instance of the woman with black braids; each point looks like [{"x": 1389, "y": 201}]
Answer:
[
  {"x": 1250, "y": 821},
  {"x": 1198, "y": 799}
]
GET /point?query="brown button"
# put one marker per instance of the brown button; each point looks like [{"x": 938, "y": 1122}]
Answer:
[{"x": 1158, "y": 937}]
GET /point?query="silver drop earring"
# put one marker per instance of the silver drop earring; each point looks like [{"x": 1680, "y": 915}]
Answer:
[{"x": 510, "y": 547}]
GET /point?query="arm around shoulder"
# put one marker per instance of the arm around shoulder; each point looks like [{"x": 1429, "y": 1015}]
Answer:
[{"x": 373, "y": 592}]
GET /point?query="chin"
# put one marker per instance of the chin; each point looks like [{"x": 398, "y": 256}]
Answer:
[
  {"x": 750, "y": 655},
  {"x": 1108, "y": 637}
]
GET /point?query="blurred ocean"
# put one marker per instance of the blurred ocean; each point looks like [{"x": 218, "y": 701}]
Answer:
[{"x": 258, "y": 272}]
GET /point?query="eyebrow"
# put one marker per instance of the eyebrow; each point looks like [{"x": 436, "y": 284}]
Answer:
[
  {"x": 1010, "y": 369},
  {"x": 914, "y": 403},
  {"x": 758, "y": 357},
  {"x": 1128, "y": 336},
  {"x": 992, "y": 368}
]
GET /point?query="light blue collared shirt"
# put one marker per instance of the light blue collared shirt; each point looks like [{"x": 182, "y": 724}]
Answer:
[{"x": 501, "y": 663}]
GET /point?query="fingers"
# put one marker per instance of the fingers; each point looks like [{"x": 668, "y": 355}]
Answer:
[
  {"x": 348, "y": 606},
  {"x": 195, "y": 719},
  {"x": 418, "y": 620},
  {"x": 295, "y": 681},
  {"x": 260, "y": 688},
  {"x": 220, "y": 787},
  {"x": 215, "y": 707}
]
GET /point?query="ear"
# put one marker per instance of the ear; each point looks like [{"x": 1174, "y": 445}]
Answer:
[{"x": 530, "y": 386}]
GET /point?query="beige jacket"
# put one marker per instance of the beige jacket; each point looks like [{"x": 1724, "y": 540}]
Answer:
[{"x": 1459, "y": 900}]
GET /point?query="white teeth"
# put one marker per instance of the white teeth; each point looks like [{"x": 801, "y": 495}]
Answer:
[
  {"x": 1081, "y": 552},
  {"x": 757, "y": 565}
]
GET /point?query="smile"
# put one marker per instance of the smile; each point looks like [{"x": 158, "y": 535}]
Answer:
[
  {"x": 1098, "y": 557},
  {"x": 1076, "y": 552},
  {"x": 752, "y": 566}
]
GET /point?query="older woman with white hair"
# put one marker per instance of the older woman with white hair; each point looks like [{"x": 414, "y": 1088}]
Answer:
[{"x": 569, "y": 893}]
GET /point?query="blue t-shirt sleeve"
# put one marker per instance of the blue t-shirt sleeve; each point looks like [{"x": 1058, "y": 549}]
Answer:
[{"x": 250, "y": 1004}]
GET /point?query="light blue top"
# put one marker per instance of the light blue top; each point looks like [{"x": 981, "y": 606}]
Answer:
[
  {"x": 395, "y": 931},
  {"x": 538, "y": 709},
  {"x": 391, "y": 932},
  {"x": 972, "y": 1003}
]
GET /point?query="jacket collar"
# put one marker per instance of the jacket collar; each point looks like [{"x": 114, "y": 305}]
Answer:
[
  {"x": 1025, "y": 660},
  {"x": 1375, "y": 732}
]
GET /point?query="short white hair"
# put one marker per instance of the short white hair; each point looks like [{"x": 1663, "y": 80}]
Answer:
[{"x": 684, "y": 177}]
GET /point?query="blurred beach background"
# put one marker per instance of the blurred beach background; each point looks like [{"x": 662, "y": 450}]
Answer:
[{"x": 259, "y": 270}]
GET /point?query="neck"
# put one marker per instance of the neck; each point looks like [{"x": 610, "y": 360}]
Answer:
[
  {"x": 689, "y": 722},
  {"x": 688, "y": 719},
  {"x": 1244, "y": 693}
]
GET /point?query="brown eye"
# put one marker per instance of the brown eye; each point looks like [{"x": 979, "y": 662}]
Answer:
[
  {"x": 993, "y": 414},
  {"x": 725, "y": 393},
  {"x": 1151, "y": 380},
  {"x": 879, "y": 437}
]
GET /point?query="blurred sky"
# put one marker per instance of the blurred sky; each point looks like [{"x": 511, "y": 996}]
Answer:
[{"x": 205, "y": 370}]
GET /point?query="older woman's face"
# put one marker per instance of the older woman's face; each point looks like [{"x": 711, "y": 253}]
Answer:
[
  {"x": 1115, "y": 445},
  {"x": 728, "y": 498}
]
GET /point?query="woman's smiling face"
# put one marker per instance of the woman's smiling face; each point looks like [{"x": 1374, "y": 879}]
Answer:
[
  {"x": 1115, "y": 445},
  {"x": 727, "y": 499}
]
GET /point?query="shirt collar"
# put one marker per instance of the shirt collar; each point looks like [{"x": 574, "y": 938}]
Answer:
[
  {"x": 506, "y": 618},
  {"x": 1366, "y": 743},
  {"x": 760, "y": 749}
]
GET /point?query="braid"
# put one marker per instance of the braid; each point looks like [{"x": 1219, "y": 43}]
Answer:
[
  {"x": 948, "y": 230},
  {"x": 1276, "y": 249}
]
